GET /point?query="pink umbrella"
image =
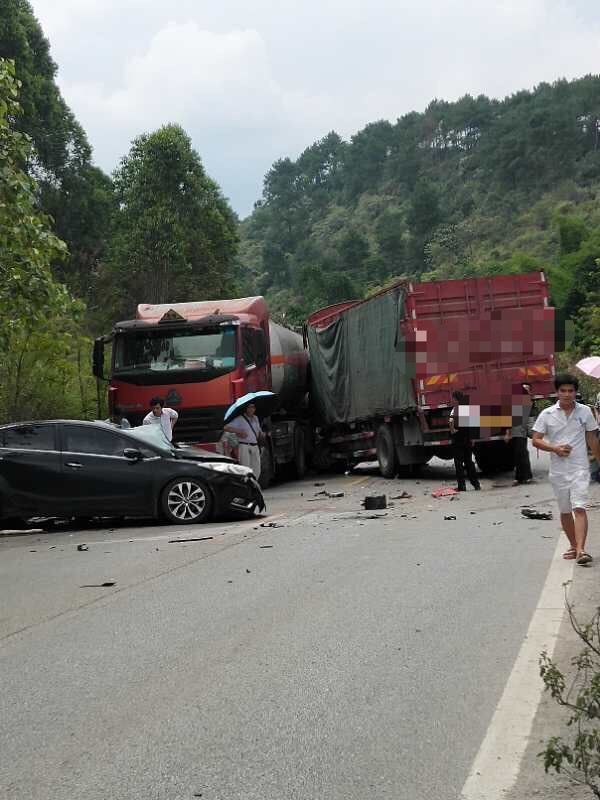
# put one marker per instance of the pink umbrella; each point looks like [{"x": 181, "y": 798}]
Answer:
[{"x": 590, "y": 365}]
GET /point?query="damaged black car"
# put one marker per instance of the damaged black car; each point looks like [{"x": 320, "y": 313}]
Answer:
[{"x": 68, "y": 468}]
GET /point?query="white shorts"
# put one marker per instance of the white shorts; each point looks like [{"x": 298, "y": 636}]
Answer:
[{"x": 571, "y": 491}]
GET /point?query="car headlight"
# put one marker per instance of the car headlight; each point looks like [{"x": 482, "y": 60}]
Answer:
[{"x": 230, "y": 469}]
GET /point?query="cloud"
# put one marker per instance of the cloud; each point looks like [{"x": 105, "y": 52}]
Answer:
[
  {"x": 251, "y": 82},
  {"x": 190, "y": 74}
]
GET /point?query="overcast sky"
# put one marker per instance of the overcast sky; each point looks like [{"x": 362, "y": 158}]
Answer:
[{"x": 254, "y": 80}]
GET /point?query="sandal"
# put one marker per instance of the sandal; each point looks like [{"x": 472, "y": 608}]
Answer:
[
  {"x": 570, "y": 554},
  {"x": 584, "y": 558}
]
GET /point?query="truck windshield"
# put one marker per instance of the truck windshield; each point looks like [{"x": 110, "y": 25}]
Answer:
[{"x": 210, "y": 352}]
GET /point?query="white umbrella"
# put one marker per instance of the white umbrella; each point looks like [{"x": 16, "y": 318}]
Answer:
[{"x": 590, "y": 365}]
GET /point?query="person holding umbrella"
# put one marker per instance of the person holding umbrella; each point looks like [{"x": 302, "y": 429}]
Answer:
[
  {"x": 241, "y": 419},
  {"x": 247, "y": 428}
]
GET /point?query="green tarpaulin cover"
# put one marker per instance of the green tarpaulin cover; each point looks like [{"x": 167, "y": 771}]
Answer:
[{"x": 359, "y": 365}]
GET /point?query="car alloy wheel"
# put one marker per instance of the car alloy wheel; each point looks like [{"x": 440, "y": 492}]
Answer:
[{"x": 186, "y": 500}]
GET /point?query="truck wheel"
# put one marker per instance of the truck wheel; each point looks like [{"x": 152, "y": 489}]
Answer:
[
  {"x": 266, "y": 468},
  {"x": 299, "y": 454},
  {"x": 186, "y": 500},
  {"x": 321, "y": 459},
  {"x": 494, "y": 457},
  {"x": 386, "y": 451}
]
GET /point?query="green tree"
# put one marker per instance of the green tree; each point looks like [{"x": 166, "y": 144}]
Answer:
[
  {"x": 27, "y": 245},
  {"x": 43, "y": 371},
  {"x": 175, "y": 236},
  {"x": 76, "y": 195}
]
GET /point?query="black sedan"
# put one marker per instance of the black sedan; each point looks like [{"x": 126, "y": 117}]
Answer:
[{"x": 65, "y": 468}]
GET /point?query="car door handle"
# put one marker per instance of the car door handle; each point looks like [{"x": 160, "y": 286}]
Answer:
[{"x": 74, "y": 464}]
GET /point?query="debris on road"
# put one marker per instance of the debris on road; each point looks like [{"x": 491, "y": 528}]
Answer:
[
  {"x": 265, "y": 546},
  {"x": 374, "y": 501},
  {"x": 194, "y": 539},
  {"x": 325, "y": 493},
  {"x": 444, "y": 491},
  {"x": 247, "y": 571},
  {"x": 271, "y": 525},
  {"x": 449, "y": 517},
  {"x": 403, "y": 496},
  {"x": 533, "y": 513},
  {"x": 97, "y": 585},
  {"x": 82, "y": 548}
]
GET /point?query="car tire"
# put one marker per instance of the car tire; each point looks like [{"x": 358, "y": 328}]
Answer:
[{"x": 186, "y": 501}]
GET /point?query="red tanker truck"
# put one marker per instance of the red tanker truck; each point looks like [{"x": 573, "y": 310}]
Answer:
[
  {"x": 383, "y": 369},
  {"x": 201, "y": 357}
]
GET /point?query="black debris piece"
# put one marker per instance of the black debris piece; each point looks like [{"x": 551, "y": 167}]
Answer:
[
  {"x": 374, "y": 501},
  {"x": 532, "y": 513},
  {"x": 97, "y": 585},
  {"x": 449, "y": 517},
  {"x": 194, "y": 539},
  {"x": 402, "y": 496},
  {"x": 82, "y": 548},
  {"x": 265, "y": 546},
  {"x": 271, "y": 525}
]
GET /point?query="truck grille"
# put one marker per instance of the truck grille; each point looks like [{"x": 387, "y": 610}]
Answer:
[{"x": 200, "y": 425}]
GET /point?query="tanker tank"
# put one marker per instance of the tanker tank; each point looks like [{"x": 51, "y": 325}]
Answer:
[{"x": 289, "y": 366}]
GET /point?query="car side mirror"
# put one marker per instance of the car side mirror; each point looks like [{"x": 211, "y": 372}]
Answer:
[{"x": 133, "y": 454}]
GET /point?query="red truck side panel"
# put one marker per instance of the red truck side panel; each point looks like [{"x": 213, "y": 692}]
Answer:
[{"x": 480, "y": 336}]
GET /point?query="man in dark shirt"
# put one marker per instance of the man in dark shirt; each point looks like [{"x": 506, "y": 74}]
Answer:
[{"x": 461, "y": 445}]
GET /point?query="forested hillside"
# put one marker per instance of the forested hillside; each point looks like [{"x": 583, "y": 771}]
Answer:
[{"x": 478, "y": 186}]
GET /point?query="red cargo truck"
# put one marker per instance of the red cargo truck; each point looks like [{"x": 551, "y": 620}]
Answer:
[
  {"x": 201, "y": 357},
  {"x": 383, "y": 369}
]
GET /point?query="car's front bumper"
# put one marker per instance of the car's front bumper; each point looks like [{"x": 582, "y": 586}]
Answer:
[{"x": 238, "y": 496}]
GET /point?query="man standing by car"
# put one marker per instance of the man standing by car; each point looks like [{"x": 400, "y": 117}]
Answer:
[
  {"x": 566, "y": 430},
  {"x": 249, "y": 433},
  {"x": 163, "y": 416}
]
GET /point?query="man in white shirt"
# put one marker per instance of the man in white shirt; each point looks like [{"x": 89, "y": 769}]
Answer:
[
  {"x": 160, "y": 415},
  {"x": 566, "y": 430},
  {"x": 249, "y": 433}
]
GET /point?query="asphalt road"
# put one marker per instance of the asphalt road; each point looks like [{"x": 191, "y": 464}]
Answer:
[{"x": 336, "y": 656}]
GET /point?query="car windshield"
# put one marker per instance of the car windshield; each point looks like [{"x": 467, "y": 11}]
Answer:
[
  {"x": 153, "y": 435},
  {"x": 211, "y": 350}
]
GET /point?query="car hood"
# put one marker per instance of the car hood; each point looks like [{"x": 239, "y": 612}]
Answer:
[
  {"x": 198, "y": 454},
  {"x": 153, "y": 435}
]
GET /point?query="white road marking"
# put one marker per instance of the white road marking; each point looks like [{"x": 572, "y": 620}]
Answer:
[{"x": 496, "y": 766}]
